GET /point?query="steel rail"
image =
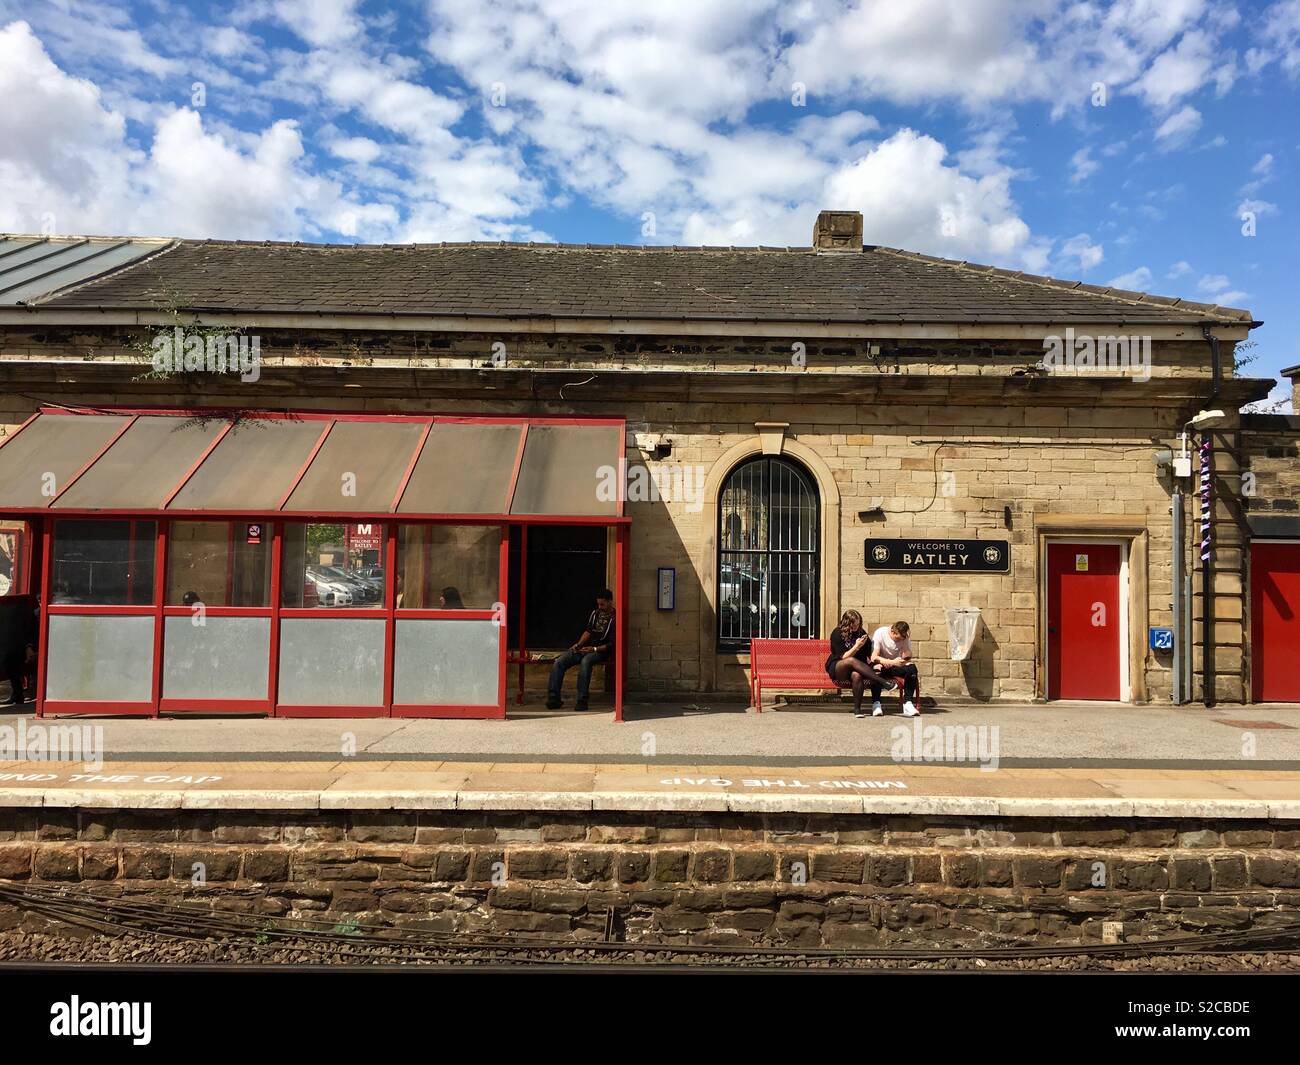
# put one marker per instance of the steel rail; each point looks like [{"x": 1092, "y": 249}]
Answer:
[{"x": 269, "y": 931}]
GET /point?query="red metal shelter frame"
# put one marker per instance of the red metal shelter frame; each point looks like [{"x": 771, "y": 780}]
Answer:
[{"x": 43, "y": 521}]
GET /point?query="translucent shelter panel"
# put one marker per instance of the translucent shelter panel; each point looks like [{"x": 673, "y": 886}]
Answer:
[
  {"x": 253, "y": 467},
  {"x": 100, "y": 659},
  {"x": 448, "y": 566},
  {"x": 39, "y": 462},
  {"x": 328, "y": 661},
  {"x": 463, "y": 469},
  {"x": 359, "y": 468},
  {"x": 222, "y": 658},
  {"x": 446, "y": 663},
  {"x": 569, "y": 470},
  {"x": 103, "y": 563},
  {"x": 333, "y": 564},
  {"x": 219, "y": 563},
  {"x": 143, "y": 466}
]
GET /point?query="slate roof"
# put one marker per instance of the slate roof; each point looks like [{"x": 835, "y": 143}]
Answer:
[{"x": 877, "y": 284}]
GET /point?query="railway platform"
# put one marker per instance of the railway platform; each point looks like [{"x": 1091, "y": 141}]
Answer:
[{"x": 976, "y": 827}]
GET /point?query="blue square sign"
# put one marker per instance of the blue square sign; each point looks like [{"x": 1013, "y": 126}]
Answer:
[{"x": 1162, "y": 639}]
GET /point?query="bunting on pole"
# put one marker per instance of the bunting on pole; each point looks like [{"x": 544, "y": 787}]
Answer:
[{"x": 1205, "y": 499}]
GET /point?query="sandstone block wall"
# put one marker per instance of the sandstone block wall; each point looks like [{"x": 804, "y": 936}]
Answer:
[
  {"x": 713, "y": 878},
  {"x": 948, "y": 468}
]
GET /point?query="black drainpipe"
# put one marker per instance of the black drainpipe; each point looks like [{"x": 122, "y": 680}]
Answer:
[{"x": 1207, "y": 565}]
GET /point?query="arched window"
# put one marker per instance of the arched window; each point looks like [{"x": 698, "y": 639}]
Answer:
[{"x": 768, "y": 553}]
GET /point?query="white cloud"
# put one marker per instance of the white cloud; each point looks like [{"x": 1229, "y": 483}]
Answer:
[
  {"x": 320, "y": 22},
  {"x": 1177, "y": 129},
  {"x": 1278, "y": 34},
  {"x": 1218, "y": 288},
  {"x": 1082, "y": 166},
  {"x": 1138, "y": 280},
  {"x": 382, "y": 95},
  {"x": 1180, "y": 269},
  {"x": 1263, "y": 171},
  {"x": 1177, "y": 72},
  {"x": 1080, "y": 250},
  {"x": 356, "y": 149},
  {"x": 636, "y": 108},
  {"x": 975, "y": 51},
  {"x": 65, "y": 159},
  {"x": 96, "y": 31},
  {"x": 228, "y": 42},
  {"x": 626, "y": 136},
  {"x": 1259, "y": 208},
  {"x": 909, "y": 198}
]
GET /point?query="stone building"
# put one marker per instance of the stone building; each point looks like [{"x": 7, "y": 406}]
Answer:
[{"x": 806, "y": 430}]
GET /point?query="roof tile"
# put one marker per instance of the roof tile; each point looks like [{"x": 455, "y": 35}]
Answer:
[{"x": 540, "y": 280}]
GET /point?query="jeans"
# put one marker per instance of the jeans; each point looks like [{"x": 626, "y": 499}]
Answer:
[
  {"x": 907, "y": 674},
  {"x": 566, "y": 662}
]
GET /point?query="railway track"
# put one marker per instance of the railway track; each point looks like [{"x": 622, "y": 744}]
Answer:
[{"x": 261, "y": 942}]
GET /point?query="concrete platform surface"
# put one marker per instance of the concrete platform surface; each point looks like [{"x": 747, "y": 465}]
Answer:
[
  {"x": 1033, "y": 761},
  {"x": 919, "y": 789},
  {"x": 1057, "y": 735}
]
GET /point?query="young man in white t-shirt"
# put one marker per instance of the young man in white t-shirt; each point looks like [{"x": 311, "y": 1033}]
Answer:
[{"x": 891, "y": 652}]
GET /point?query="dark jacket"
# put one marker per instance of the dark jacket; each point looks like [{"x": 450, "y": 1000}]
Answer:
[
  {"x": 839, "y": 645},
  {"x": 19, "y": 624}
]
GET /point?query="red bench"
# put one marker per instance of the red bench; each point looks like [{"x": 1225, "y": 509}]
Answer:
[{"x": 799, "y": 664}]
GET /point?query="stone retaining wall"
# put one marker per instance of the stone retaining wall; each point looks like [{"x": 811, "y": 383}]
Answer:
[{"x": 703, "y": 878}]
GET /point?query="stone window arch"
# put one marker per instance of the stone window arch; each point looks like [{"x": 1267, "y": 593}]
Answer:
[{"x": 768, "y": 574}]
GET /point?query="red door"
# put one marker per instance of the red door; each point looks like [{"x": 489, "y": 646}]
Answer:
[
  {"x": 1275, "y": 621},
  {"x": 1083, "y": 621}
]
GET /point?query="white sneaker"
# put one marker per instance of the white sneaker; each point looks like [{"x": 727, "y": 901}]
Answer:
[
  {"x": 910, "y": 710},
  {"x": 876, "y": 710}
]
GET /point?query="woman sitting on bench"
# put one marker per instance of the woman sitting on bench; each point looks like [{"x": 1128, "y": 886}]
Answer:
[{"x": 848, "y": 663}]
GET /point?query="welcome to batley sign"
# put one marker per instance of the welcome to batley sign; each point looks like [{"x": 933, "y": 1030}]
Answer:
[{"x": 939, "y": 556}]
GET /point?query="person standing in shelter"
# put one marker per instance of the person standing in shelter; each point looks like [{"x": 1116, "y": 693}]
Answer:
[
  {"x": 891, "y": 652},
  {"x": 596, "y": 644},
  {"x": 19, "y": 656}
]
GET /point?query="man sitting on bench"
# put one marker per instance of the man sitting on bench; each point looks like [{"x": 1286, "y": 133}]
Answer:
[
  {"x": 891, "y": 654},
  {"x": 594, "y": 645}
]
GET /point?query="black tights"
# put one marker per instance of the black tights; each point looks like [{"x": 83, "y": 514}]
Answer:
[{"x": 857, "y": 674}]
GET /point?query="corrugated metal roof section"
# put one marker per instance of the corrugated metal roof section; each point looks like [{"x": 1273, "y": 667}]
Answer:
[
  {"x": 186, "y": 463},
  {"x": 33, "y": 267}
]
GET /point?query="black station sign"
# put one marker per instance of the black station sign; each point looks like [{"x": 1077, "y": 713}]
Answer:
[{"x": 939, "y": 556}]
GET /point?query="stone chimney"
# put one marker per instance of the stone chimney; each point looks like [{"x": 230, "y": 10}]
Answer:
[{"x": 838, "y": 231}]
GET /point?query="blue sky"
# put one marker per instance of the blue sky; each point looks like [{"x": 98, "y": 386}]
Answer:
[{"x": 1118, "y": 143}]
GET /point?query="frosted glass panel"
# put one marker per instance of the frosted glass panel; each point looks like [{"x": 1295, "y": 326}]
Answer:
[
  {"x": 224, "y": 658},
  {"x": 446, "y": 663},
  {"x": 332, "y": 661},
  {"x": 100, "y": 658}
]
